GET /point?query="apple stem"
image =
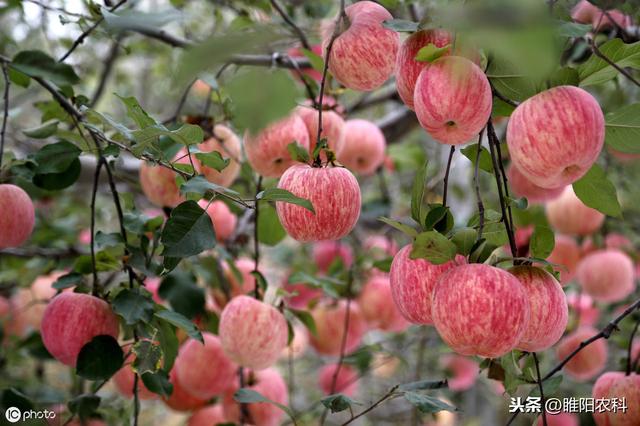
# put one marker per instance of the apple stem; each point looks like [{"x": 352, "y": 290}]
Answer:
[{"x": 446, "y": 176}]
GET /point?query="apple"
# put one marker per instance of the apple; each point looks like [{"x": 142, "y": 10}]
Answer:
[
  {"x": 332, "y": 127},
  {"x": 407, "y": 68},
  {"x": 412, "y": 283},
  {"x": 28, "y": 304},
  {"x": 124, "y": 379},
  {"x": 194, "y": 370},
  {"x": 363, "y": 147},
  {"x": 159, "y": 183},
  {"x": 335, "y": 195},
  {"x": 583, "y": 308},
  {"x": 607, "y": 275},
  {"x": 296, "y": 53},
  {"x": 480, "y": 310},
  {"x": 452, "y": 100},
  {"x": 611, "y": 19},
  {"x": 224, "y": 221},
  {"x": 566, "y": 254},
  {"x": 228, "y": 145},
  {"x": 243, "y": 284},
  {"x": 384, "y": 365},
  {"x": 152, "y": 284},
  {"x": 600, "y": 390},
  {"x": 325, "y": 253},
  {"x": 584, "y": 12},
  {"x": 559, "y": 419},
  {"x": 376, "y": 303},
  {"x": 568, "y": 215},
  {"x": 89, "y": 316},
  {"x": 380, "y": 246},
  {"x": 267, "y": 151},
  {"x": 590, "y": 361},
  {"x": 618, "y": 385},
  {"x": 298, "y": 345},
  {"x": 210, "y": 415},
  {"x": 304, "y": 294},
  {"x": 18, "y": 216},
  {"x": 443, "y": 418},
  {"x": 463, "y": 372},
  {"x": 84, "y": 237},
  {"x": 271, "y": 385},
  {"x": 614, "y": 240},
  {"x": 180, "y": 399},
  {"x": 547, "y": 305},
  {"x": 346, "y": 382},
  {"x": 253, "y": 333},
  {"x": 555, "y": 136},
  {"x": 363, "y": 56},
  {"x": 523, "y": 187},
  {"x": 330, "y": 319}
]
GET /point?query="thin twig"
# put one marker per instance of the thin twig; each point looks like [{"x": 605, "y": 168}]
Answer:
[
  {"x": 446, "y": 176},
  {"x": 374, "y": 405},
  {"x": 95, "y": 290},
  {"x": 294, "y": 27},
  {"x": 476, "y": 182},
  {"x": 58, "y": 9},
  {"x": 106, "y": 72},
  {"x": 540, "y": 388},
  {"x": 630, "y": 346},
  {"x": 422, "y": 345},
  {"x": 596, "y": 51},
  {"x": 5, "y": 116},
  {"x": 256, "y": 239}
]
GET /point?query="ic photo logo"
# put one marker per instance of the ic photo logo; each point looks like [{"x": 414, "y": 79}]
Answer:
[{"x": 13, "y": 414}]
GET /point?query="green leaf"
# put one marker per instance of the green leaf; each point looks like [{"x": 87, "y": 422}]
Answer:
[
  {"x": 158, "y": 382},
  {"x": 338, "y": 402},
  {"x": 500, "y": 109},
  {"x": 328, "y": 284},
  {"x": 148, "y": 356},
  {"x": 565, "y": 76},
  {"x": 200, "y": 185},
  {"x": 282, "y": 195},
  {"x": 71, "y": 279},
  {"x": 438, "y": 218},
  {"x": 133, "y": 306},
  {"x": 596, "y": 70},
  {"x": 131, "y": 18},
  {"x": 549, "y": 386},
  {"x": 431, "y": 52},
  {"x": 464, "y": 239},
  {"x": 188, "y": 231},
  {"x": 297, "y": 152},
  {"x": 35, "y": 63},
  {"x": 136, "y": 112},
  {"x": 56, "y": 157},
  {"x": 495, "y": 233},
  {"x": 18, "y": 78},
  {"x": 84, "y": 405},
  {"x": 249, "y": 396},
  {"x": 511, "y": 81},
  {"x": 434, "y": 247},
  {"x": 384, "y": 264},
  {"x": 270, "y": 231},
  {"x": 317, "y": 62},
  {"x": 423, "y": 385},
  {"x": 58, "y": 181},
  {"x": 401, "y": 25},
  {"x": 306, "y": 319},
  {"x": 542, "y": 242},
  {"x": 43, "y": 131},
  {"x": 399, "y": 226},
  {"x": 99, "y": 359},
  {"x": 12, "y": 397},
  {"x": 623, "y": 129},
  {"x": 573, "y": 29},
  {"x": 485, "y": 158},
  {"x": 417, "y": 193},
  {"x": 183, "y": 294},
  {"x": 168, "y": 342},
  {"x": 596, "y": 191},
  {"x": 181, "y": 322},
  {"x": 427, "y": 404},
  {"x": 187, "y": 134},
  {"x": 213, "y": 159}
]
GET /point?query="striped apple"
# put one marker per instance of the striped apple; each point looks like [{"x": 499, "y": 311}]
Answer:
[
  {"x": 224, "y": 221},
  {"x": 159, "y": 183},
  {"x": 330, "y": 319},
  {"x": 335, "y": 195},
  {"x": 607, "y": 275},
  {"x": 377, "y": 305},
  {"x": 587, "y": 363},
  {"x": 480, "y": 310},
  {"x": 346, "y": 381},
  {"x": 228, "y": 145},
  {"x": 565, "y": 254},
  {"x": 523, "y": 187},
  {"x": 622, "y": 387},
  {"x": 17, "y": 218},
  {"x": 569, "y": 215},
  {"x": 555, "y": 136},
  {"x": 332, "y": 127},
  {"x": 363, "y": 147}
]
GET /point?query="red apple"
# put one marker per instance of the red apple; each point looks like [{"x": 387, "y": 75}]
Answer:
[
  {"x": 330, "y": 321},
  {"x": 296, "y": 53},
  {"x": 332, "y": 127},
  {"x": 124, "y": 379},
  {"x": 523, "y": 187},
  {"x": 463, "y": 372},
  {"x": 208, "y": 416},
  {"x": 224, "y": 221},
  {"x": 600, "y": 390},
  {"x": 589, "y": 361},
  {"x": 555, "y": 136},
  {"x": 363, "y": 56},
  {"x": 194, "y": 367},
  {"x": 607, "y": 275},
  {"x": 583, "y": 308},
  {"x": 304, "y": 294},
  {"x": 327, "y": 252},
  {"x": 452, "y": 100},
  {"x": 480, "y": 310},
  {"x": 378, "y": 309},
  {"x": 363, "y": 147},
  {"x": 412, "y": 283},
  {"x": 335, "y": 195},
  {"x": 237, "y": 285},
  {"x": 584, "y": 12},
  {"x": 228, "y": 145},
  {"x": 298, "y": 345},
  {"x": 565, "y": 254},
  {"x": 547, "y": 305},
  {"x": 28, "y": 304},
  {"x": 618, "y": 385},
  {"x": 253, "y": 333},
  {"x": 407, "y": 68},
  {"x": 180, "y": 399},
  {"x": 268, "y": 383},
  {"x": 90, "y": 317},
  {"x": 380, "y": 244},
  {"x": 568, "y": 215},
  {"x": 267, "y": 151},
  {"x": 152, "y": 284},
  {"x": 159, "y": 182},
  {"x": 614, "y": 240},
  {"x": 346, "y": 382},
  {"x": 559, "y": 419},
  {"x": 611, "y": 19},
  {"x": 17, "y": 218}
]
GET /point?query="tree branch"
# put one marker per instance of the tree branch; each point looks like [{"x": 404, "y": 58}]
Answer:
[
  {"x": 446, "y": 176},
  {"x": 106, "y": 72},
  {"x": 5, "y": 116},
  {"x": 540, "y": 388},
  {"x": 294, "y": 27},
  {"x": 476, "y": 182},
  {"x": 373, "y": 406},
  {"x": 596, "y": 51}
]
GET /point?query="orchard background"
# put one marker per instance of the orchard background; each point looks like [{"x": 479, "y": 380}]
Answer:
[{"x": 167, "y": 257}]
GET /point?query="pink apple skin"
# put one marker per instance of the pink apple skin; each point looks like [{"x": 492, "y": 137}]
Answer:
[
  {"x": 623, "y": 157},
  {"x": 305, "y": 294},
  {"x": 590, "y": 361},
  {"x": 378, "y": 309},
  {"x": 326, "y": 252},
  {"x": 560, "y": 419},
  {"x": 452, "y": 100},
  {"x": 180, "y": 399},
  {"x": 90, "y": 317},
  {"x": 364, "y": 56},
  {"x": 584, "y": 12},
  {"x": 5, "y": 308},
  {"x": 330, "y": 320},
  {"x": 298, "y": 345},
  {"x": 380, "y": 244},
  {"x": 335, "y": 195},
  {"x": 268, "y": 383},
  {"x": 412, "y": 283},
  {"x": 208, "y": 416},
  {"x": 28, "y": 304},
  {"x": 267, "y": 151},
  {"x": 123, "y": 380},
  {"x": 152, "y": 284},
  {"x": 296, "y": 53},
  {"x": 18, "y": 216},
  {"x": 346, "y": 381},
  {"x": 547, "y": 305},
  {"x": 464, "y": 372},
  {"x": 159, "y": 183},
  {"x": 601, "y": 390},
  {"x": 194, "y": 370},
  {"x": 224, "y": 221},
  {"x": 407, "y": 68},
  {"x": 332, "y": 128},
  {"x": 480, "y": 310},
  {"x": 236, "y": 287},
  {"x": 614, "y": 240},
  {"x": 607, "y": 275},
  {"x": 363, "y": 147},
  {"x": 612, "y": 19},
  {"x": 616, "y": 384},
  {"x": 253, "y": 333},
  {"x": 566, "y": 254},
  {"x": 523, "y": 187},
  {"x": 583, "y": 308},
  {"x": 555, "y": 136},
  {"x": 568, "y": 215},
  {"x": 228, "y": 145}
]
